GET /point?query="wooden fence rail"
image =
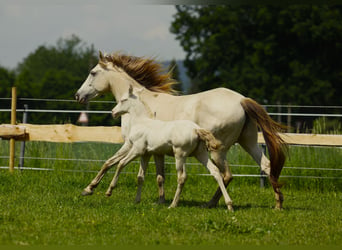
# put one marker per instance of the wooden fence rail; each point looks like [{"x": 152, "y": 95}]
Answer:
[
  {"x": 68, "y": 133},
  {"x": 72, "y": 133}
]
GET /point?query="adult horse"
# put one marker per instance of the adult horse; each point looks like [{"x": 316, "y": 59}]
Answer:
[{"x": 230, "y": 116}]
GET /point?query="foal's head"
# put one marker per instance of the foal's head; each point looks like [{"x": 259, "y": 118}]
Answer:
[{"x": 130, "y": 103}]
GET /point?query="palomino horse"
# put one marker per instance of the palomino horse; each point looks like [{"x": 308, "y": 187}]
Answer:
[
  {"x": 230, "y": 116},
  {"x": 181, "y": 138}
]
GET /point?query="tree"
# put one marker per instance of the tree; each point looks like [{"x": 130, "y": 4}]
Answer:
[
  {"x": 289, "y": 54},
  {"x": 173, "y": 67},
  {"x": 6, "y": 82},
  {"x": 56, "y": 72}
]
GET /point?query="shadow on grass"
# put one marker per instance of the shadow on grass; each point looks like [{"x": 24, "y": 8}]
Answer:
[{"x": 237, "y": 207}]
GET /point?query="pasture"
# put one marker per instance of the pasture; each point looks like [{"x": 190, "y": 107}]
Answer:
[{"x": 46, "y": 208}]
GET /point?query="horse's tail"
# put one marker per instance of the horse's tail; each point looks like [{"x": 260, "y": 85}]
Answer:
[
  {"x": 270, "y": 130},
  {"x": 211, "y": 142}
]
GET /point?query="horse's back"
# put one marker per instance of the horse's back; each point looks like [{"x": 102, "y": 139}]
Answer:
[{"x": 220, "y": 111}]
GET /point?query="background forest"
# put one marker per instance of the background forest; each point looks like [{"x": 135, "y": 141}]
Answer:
[{"x": 273, "y": 54}]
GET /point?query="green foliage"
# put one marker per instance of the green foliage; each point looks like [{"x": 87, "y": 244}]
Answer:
[
  {"x": 324, "y": 125},
  {"x": 270, "y": 53},
  {"x": 7, "y": 78},
  {"x": 56, "y": 72},
  {"x": 175, "y": 74}
]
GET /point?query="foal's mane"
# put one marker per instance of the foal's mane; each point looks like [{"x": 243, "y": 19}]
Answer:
[{"x": 145, "y": 71}]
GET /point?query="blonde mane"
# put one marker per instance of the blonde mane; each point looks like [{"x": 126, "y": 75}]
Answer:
[{"x": 145, "y": 71}]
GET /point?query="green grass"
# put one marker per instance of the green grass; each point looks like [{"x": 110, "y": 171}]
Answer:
[{"x": 46, "y": 208}]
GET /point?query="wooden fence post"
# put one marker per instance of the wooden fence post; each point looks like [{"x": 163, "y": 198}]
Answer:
[{"x": 13, "y": 122}]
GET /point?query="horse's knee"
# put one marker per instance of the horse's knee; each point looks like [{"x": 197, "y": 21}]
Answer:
[{"x": 181, "y": 180}]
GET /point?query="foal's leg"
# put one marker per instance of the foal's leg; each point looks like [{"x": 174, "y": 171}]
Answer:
[
  {"x": 181, "y": 177},
  {"x": 248, "y": 140},
  {"x": 131, "y": 155},
  {"x": 219, "y": 158},
  {"x": 106, "y": 166},
  {"x": 159, "y": 160},
  {"x": 141, "y": 175},
  {"x": 202, "y": 156}
]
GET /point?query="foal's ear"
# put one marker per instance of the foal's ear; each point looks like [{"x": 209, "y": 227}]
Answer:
[{"x": 130, "y": 90}]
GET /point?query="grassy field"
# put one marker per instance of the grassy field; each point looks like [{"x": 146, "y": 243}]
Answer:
[{"x": 46, "y": 208}]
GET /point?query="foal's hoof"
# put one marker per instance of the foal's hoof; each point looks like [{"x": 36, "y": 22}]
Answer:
[
  {"x": 278, "y": 208},
  {"x": 108, "y": 194},
  {"x": 86, "y": 193}
]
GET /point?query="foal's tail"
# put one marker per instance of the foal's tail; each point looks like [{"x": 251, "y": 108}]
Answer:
[
  {"x": 270, "y": 130},
  {"x": 210, "y": 141}
]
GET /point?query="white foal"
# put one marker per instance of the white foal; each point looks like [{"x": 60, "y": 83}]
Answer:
[{"x": 146, "y": 136}]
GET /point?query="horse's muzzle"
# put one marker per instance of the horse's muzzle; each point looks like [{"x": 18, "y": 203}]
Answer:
[{"x": 79, "y": 99}]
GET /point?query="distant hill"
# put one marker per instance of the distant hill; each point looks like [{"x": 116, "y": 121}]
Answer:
[{"x": 185, "y": 80}]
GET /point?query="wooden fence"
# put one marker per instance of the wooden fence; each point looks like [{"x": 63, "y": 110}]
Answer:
[{"x": 68, "y": 133}]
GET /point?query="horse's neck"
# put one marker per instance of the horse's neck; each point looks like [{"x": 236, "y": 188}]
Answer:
[{"x": 119, "y": 84}]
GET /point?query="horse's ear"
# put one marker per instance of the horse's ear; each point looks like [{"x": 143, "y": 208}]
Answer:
[{"x": 101, "y": 57}]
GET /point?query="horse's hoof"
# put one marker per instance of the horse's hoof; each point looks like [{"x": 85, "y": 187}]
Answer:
[
  {"x": 108, "y": 194},
  {"x": 230, "y": 208},
  {"x": 209, "y": 205},
  {"x": 161, "y": 200},
  {"x": 86, "y": 193}
]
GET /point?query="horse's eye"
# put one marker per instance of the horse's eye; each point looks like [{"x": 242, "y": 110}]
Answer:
[{"x": 93, "y": 73}]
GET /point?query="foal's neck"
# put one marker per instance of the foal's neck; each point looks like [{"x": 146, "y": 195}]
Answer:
[{"x": 139, "y": 112}]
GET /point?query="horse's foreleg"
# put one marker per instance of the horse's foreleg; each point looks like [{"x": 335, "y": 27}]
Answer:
[
  {"x": 181, "y": 177},
  {"x": 123, "y": 162},
  {"x": 141, "y": 175},
  {"x": 219, "y": 158},
  {"x": 105, "y": 167},
  {"x": 159, "y": 160}
]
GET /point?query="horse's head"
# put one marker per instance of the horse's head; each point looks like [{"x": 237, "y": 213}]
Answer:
[{"x": 96, "y": 83}]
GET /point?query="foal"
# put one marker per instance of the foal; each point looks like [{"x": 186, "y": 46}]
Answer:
[{"x": 147, "y": 136}]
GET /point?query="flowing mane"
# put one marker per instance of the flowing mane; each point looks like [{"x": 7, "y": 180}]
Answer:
[{"x": 145, "y": 71}]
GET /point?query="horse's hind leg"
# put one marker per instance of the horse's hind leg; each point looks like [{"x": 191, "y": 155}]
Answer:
[
  {"x": 219, "y": 158},
  {"x": 141, "y": 175},
  {"x": 202, "y": 156},
  {"x": 159, "y": 160},
  {"x": 106, "y": 166},
  {"x": 181, "y": 177},
  {"x": 248, "y": 140}
]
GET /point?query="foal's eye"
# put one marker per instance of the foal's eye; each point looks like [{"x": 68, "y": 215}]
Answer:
[{"x": 93, "y": 73}]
